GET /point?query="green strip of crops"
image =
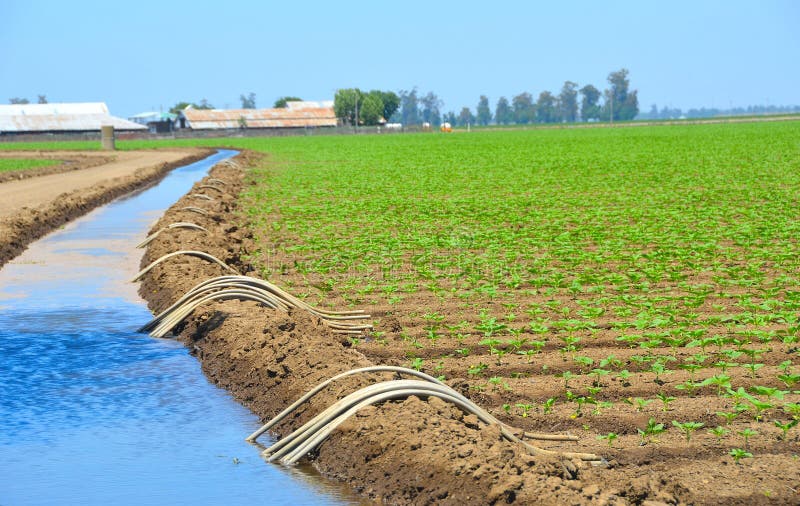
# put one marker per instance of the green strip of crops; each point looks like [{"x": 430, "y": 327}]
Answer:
[
  {"x": 14, "y": 164},
  {"x": 499, "y": 210}
]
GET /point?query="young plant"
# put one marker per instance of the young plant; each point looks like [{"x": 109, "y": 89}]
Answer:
[
  {"x": 688, "y": 427},
  {"x": 785, "y": 427},
  {"x": 718, "y": 432},
  {"x": 651, "y": 430},
  {"x": 739, "y": 454},
  {"x": 548, "y": 405},
  {"x": 747, "y": 434},
  {"x": 665, "y": 399},
  {"x": 609, "y": 438}
]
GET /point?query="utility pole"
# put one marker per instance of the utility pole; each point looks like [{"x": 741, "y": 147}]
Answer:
[{"x": 355, "y": 122}]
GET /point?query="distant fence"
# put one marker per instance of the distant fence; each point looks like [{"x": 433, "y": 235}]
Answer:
[{"x": 206, "y": 134}]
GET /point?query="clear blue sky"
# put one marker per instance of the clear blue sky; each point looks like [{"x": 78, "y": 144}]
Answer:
[{"x": 142, "y": 55}]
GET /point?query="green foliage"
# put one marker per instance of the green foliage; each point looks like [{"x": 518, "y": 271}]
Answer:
[
  {"x": 16, "y": 164},
  {"x": 282, "y": 102}
]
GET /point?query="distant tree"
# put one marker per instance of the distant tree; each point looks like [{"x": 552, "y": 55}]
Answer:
[
  {"x": 621, "y": 103},
  {"x": 524, "y": 109},
  {"x": 568, "y": 102},
  {"x": 345, "y": 103},
  {"x": 546, "y": 111},
  {"x": 42, "y": 99},
  {"x": 409, "y": 107},
  {"x": 371, "y": 109},
  {"x": 18, "y": 101},
  {"x": 484, "y": 116},
  {"x": 465, "y": 117},
  {"x": 248, "y": 101},
  {"x": 391, "y": 102},
  {"x": 431, "y": 104},
  {"x": 175, "y": 109},
  {"x": 589, "y": 103},
  {"x": 451, "y": 118},
  {"x": 503, "y": 114},
  {"x": 283, "y": 102}
]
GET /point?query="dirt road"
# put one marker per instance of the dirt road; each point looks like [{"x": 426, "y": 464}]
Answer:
[{"x": 39, "y": 202}]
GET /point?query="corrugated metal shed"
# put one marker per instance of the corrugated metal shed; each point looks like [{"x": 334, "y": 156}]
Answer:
[
  {"x": 212, "y": 119},
  {"x": 308, "y": 104},
  {"x": 77, "y": 117}
]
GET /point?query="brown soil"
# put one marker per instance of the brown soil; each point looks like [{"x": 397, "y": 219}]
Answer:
[
  {"x": 426, "y": 452},
  {"x": 44, "y": 199}
]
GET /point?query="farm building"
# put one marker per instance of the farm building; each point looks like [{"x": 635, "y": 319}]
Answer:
[
  {"x": 60, "y": 118},
  {"x": 156, "y": 122},
  {"x": 294, "y": 115}
]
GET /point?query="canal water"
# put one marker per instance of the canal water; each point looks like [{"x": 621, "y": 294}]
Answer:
[{"x": 92, "y": 412}]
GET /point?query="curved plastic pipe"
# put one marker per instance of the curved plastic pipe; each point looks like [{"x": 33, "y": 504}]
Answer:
[
  {"x": 312, "y": 433},
  {"x": 202, "y": 196},
  {"x": 314, "y": 391},
  {"x": 199, "y": 254},
  {"x": 217, "y": 181},
  {"x": 209, "y": 187},
  {"x": 180, "y": 224},
  {"x": 195, "y": 210},
  {"x": 338, "y": 321}
]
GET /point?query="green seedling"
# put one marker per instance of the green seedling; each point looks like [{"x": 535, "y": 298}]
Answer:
[
  {"x": 728, "y": 416},
  {"x": 793, "y": 409},
  {"x": 739, "y": 454},
  {"x": 688, "y": 427},
  {"x": 548, "y": 405},
  {"x": 651, "y": 430},
  {"x": 416, "y": 363},
  {"x": 785, "y": 427},
  {"x": 609, "y": 438},
  {"x": 624, "y": 375},
  {"x": 666, "y": 400},
  {"x": 718, "y": 432},
  {"x": 477, "y": 369},
  {"x": 524, "y": 408},
  {"x": 747, "y": 434}
]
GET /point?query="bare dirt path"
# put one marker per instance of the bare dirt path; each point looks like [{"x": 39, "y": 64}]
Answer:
[
  {"x": 33, "y": 206},
  {"x": 38, "y": 191}
]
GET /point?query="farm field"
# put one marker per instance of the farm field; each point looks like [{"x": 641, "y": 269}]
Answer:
[{"x": 638, "y": 288}]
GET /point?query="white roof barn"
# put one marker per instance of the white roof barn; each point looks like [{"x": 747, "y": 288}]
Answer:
[{"x": 57, "y": 117}]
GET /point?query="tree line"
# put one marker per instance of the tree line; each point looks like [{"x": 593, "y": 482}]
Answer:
[{"x": 570, "y": 105}]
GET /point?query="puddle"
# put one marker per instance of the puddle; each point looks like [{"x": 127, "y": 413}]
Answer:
[{"x": 92, "y": 412}]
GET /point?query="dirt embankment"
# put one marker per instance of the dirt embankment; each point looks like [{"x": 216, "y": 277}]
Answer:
[
  {"x": 414, "y": 451},
  {"x": 30, "y": 207}
]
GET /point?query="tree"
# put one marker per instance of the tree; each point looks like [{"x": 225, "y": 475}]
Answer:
[
  {"x": 18, "y": 101},
  {"x": 589, "y": 103},
  {"x": 484, "y": 113},
  {"x": 248, "y": 101},
  {"x": 451, "y": 118},
  {"x": 546, "y": 108},
  {"x": 283, "y": 102},
  {"x": 175, "y": 109},
  {"x": 621, "y": 104},
  {"x": 409, "y": 107},
  {"x": 568, "y": 102},
  {"x": 430, "y": 109},
  {"x": 465, "y": 117},
  {"x": 524, "y": 110},
  {"x": 503, "y": 114},
  {"x": 370, "y": 111},
  {"x": 345, "y": 104},
  {"x": 42, "y": 99},
  {"x": 391, "y": 102}
]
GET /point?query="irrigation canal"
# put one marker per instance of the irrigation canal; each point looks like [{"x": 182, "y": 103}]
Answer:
[{"x": 92, "y": 412}]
